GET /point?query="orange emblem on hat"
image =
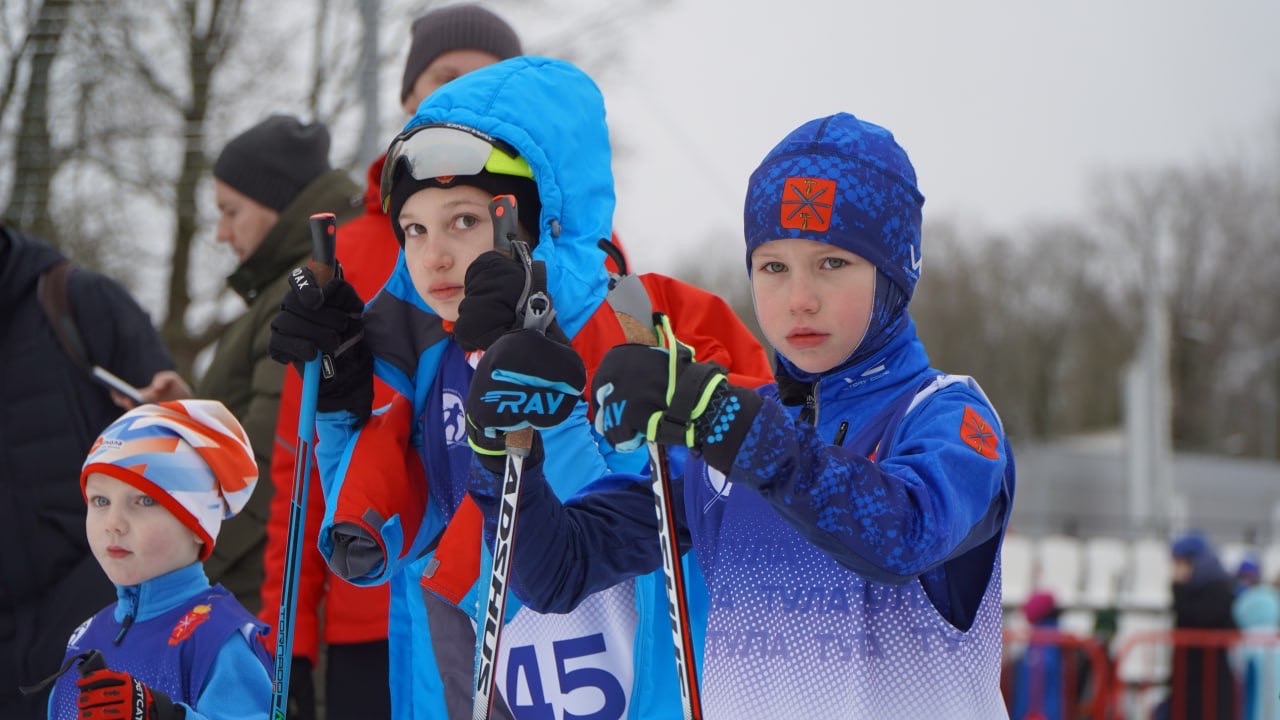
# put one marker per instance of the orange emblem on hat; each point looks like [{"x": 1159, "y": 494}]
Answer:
[
  {"x": 807, "y": 203},
  {"x": 189, "y": 623},
  {"x": 977, "y": 434}
]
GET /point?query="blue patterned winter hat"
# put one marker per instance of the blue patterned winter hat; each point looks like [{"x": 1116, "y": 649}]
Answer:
[{"x": 843, "y": 181}]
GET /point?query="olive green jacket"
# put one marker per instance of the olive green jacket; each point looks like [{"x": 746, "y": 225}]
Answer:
[{"x": 244, "y": 377}]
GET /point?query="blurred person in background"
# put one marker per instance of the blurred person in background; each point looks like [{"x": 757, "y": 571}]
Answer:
[
  {"x": 1249, "y": 572},
  {"x": 50, "y": 411},
  {"x": 1257, "y": 613},
  {"x": 1202, "y": 686},
  {"x": 1037, "y": 673},
  {"x": 267, "y": 182}
]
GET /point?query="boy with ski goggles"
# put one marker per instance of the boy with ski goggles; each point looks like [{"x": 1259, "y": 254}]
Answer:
[{"x": 848, "y": 519}]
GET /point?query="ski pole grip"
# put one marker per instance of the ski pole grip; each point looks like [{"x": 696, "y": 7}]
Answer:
[
  {"x": 502, "y": 209},
  {"x": 324, "y": 241},
  {"x": 637, "y": 332}
]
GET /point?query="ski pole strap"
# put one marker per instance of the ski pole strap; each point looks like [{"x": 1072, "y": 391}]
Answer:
[
  {"x": 614, "y": 252},
  {"x": 90, "y": 661},
  {"x": 694, "y": 388}
]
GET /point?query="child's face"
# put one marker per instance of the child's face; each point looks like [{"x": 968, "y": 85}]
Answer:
[
  {"x": 444, "y": 230},
  {"x": 813, "y": 300},
  {"x": 134, "y": 537}
]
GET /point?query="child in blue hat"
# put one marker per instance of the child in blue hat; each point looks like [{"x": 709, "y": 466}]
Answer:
[{"x": 848, "y": 519}]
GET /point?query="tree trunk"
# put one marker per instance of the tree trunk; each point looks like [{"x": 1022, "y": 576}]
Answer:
[{"x": 35, "y": 160}]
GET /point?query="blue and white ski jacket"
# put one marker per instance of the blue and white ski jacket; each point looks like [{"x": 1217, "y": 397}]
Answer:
[
  {"x": 851, "y": 579},
  {"x": 401, "y": 476}
]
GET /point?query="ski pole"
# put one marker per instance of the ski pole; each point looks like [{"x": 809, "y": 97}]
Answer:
[
  {"x": 324, "y": 266},
  {"x": 538, "y": 315},
  {"x": 677, "y": 595}
]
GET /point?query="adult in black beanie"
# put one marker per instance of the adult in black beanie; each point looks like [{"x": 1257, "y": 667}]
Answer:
[
  {"x": 267, "y": 181},
  {"x": 274, "y": 160}
]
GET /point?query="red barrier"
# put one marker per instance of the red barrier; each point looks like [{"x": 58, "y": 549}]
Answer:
[
  {"x": 1196, "y": 667},
  {"x": 1148, "y": 675},
  {"x": 1078, "y": 687}
]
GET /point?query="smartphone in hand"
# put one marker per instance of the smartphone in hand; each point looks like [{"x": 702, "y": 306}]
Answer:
[{"x": 106, "y": 377}]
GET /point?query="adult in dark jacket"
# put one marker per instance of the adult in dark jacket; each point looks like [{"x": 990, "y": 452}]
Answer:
[
  {"x": 267, "y": 182},
  {"x": 50, "y": 411},
  {"x": 1201, "y": 684}
]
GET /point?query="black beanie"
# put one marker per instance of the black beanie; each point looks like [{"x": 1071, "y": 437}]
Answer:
[
  {"x": 274, "y": 160},
  {"x": 528, "y": 205},
  {"x": 457, "y": 27}
]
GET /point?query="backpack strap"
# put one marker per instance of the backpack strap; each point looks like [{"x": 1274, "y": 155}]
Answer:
[{"x": 51, "y": 290}]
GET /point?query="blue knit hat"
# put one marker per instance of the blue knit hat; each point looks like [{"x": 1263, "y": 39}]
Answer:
[{"x": 843, "y": 181}]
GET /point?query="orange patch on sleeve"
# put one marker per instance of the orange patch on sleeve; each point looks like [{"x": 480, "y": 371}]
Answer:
[{"x": 979, "y": 435}]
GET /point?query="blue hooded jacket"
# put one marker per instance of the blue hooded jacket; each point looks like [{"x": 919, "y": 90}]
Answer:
[{"x": 553, "y": 115}]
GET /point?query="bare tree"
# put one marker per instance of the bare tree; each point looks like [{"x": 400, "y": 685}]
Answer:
[
  {"x": 1214, "y": 230},
  {"x": 35, "y": 158}
]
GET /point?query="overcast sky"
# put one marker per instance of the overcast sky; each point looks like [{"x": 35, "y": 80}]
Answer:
[{"x": 1006, "y": 108}]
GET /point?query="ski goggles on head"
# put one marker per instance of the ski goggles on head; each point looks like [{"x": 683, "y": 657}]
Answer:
[{"x": 447, "y": 150}]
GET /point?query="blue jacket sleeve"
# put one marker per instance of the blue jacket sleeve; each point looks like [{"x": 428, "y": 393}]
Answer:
[
  {"x": 564, "y": 552},
  {"x": 237, "y": 687},
  {"x": 937, "y": 495}
]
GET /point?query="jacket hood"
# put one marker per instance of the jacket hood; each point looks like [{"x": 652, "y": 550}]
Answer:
[
  {"x": 22, "y": 259},
  {"x": 553, "y": 114}
]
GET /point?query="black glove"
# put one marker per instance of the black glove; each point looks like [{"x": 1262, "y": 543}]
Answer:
[
  {"x": 328, "y": 321},
  {"x": 526, "y": 379},
  {"x": 106, "y": 693},
  {"x": 658, "y": 394},
  {"x": 492, "y": 290}
]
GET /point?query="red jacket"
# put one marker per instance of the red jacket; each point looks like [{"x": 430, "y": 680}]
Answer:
[{"x": 367, "y": 251}]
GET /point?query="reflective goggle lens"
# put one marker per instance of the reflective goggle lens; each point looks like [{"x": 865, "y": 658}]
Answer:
[{"x": 447, "y": 150}]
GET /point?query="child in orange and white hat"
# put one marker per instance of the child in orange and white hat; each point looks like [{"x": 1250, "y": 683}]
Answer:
[{"x": 159, "y": 481}]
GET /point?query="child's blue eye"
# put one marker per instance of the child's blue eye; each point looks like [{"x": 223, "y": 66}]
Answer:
[
  {"x": 773, "y": 267},
  {"x": 833, "y": 263},
  {"x": 98, "y": 501},
  {"x": 146, "y": 501}
]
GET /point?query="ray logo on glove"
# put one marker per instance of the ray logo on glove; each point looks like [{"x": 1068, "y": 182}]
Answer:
[
  {"x": 520, "y": 403},
  {"x": 525, "y": 379},
  {"x": 610, "y": 412}
]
